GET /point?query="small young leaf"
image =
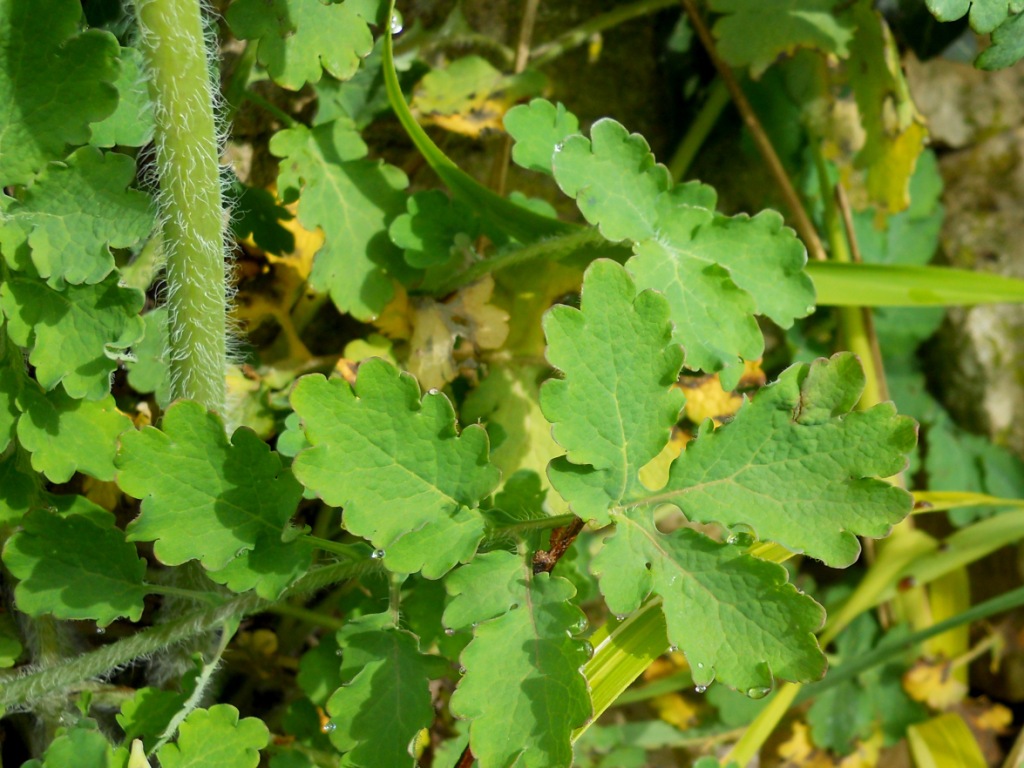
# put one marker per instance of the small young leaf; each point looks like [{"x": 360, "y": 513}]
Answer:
[
  {"x": 76, "y": 335},
  {"x": 20, "y": 488},
  {"x": 203, "y": 498},
  {"x": 539, "y": 129},
  {"x": 54, "y": 82},
  {"x": 269, "y": 567},
  {"x": 216, "y": 738},
  {"x": 149, "y": 712},
  {"x": 410, "y": 482},
  {"x": 1007, "y": 45},
  {"x": 300, "y": 39},
  {"x": 986, "y": 15},
  {"x": 528, "y": 648},
  {"x": 10, "y": 382},
  {"x": 75, "y": 565},
  {"x": 82, "y": 746},
  {"x": 757, "y": 32},
  {"x": 615, "y": 407},
  {"x": 353, "y": 200},
  {"x": 735, "y": 617},
  {"x": 65, "y": 435},
  {"x": 150, "y": 371},
  {"x": 384, "y": 701}
]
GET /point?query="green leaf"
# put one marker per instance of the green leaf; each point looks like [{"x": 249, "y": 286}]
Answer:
[
  {"x": 1007, "y": 46},
  {"x": 755, "y": 33},
  {"x": 204, "y": 498},
  {"x": 530, "y": 647},
  {"x": 300, "y": 39},
  {"x": 82, "y": 746},
  {"x": 148, "y": 713},
  {"x": 75, "y": 566},
  {"x": 791, "y": 464},
  {"x": 76, "y": 336},
  {"x": 716, "y": 272},
  {"x": 353, "y": 200},
  {"x": 269, "y": 568},
  {"x": 319, "y": 672},
  {"x": 216, "y": 738},
  {"x": 735, "y": 617},
  {"x": 20, "y": 487},
  {"x": 410, "y": 482},
  {"x": 65, "y": 435},
  {"x": 150, "y": 371},
  {"x": 131, "y": 124},
  {"x": 427, "y": 232},
  {"x": 384, "y": 701},
  {"x": 10, "y": 644},
  {"x": 488, "y": 589},
  {"x": 257, "y": 214},
  {"x": 615, "y": 407},
  {"x": 75, "y": 212},
  {"x": 539, "y": 130},
  {"x": 54, "y": 82},
  {"x": 986, "y": 15},
  {"x": 11, "y": 380}
]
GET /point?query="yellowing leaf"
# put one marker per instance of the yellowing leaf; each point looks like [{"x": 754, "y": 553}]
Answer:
[
  {"x": 471, "y": 97},
  {"x": 675, "y": 710},
  {"x": 706, "y": 399},
  {"x": 799, "y": 751},
  {"x": 934, "y": 684},
  {"x": 447, "y": 334}
]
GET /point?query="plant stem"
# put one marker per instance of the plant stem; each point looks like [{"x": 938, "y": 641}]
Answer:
[
  {"x": 171, "y": 37},
  {"x": 17, "y": 691},
  {"x": 307, "y": 616},
  {"x": 796, "y": 209},
  {"x": 552, "y": 248},
  {"x": 547, "y": 52},
  {"x": 273, "y": 109},
  {"x": 710, "y": 111}
]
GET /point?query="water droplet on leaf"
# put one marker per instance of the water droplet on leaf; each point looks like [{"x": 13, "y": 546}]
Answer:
[
  {"x": 101, "y": 631},
  {"x": 741, "y": 535},
  {"x": 620, "y": 617},
  {"x": 462, "y": 670},
  {"x": 449, "y": 631},
  {"x": 700, "y": 688},
  {"x": 758, "y": 693},
  {"x": 378, "y": 554},
  {"x": 328, "y": 727},
  {"x": 396, "y": 23},
  {"x": 673, "y": 648},
  {"x": 339, "y": 652}
]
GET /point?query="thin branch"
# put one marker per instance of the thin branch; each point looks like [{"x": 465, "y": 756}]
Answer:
[
  {"x": 801, "y": 221},
  {"x": 544, "y": 561}
]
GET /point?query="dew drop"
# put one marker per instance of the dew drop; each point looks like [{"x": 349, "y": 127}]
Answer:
[
  {"x": 620, "y": 617},
  {"x": 396, "y": 24},
  {"x": 700, "y": 665},
  {"x": 101, "y": 631},
  {"x": 328, "y": 727},
  {"x": 673, "y": 648},
  {"x": 449, "y": 631},
  {"x": 378, "y": 554},
  {"x": 462, "y": 670},
  {"x": 700, "y": 688},
  {"x": 741, "y": 535},
  {"x": 240, "y": 552},
  {"x": 758, "y": 693},
  {"x": 433, "y": 391},
  {"x": 558, "y": 147},
  {"x": 339, "y": 652}
]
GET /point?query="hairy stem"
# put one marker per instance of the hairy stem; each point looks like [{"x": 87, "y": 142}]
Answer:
[
  {"x": 171, "y": 38},
  {"x": 17, "y": 691}
]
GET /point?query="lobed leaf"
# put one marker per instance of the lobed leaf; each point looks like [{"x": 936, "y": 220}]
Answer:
[
  {"x": 755, "y": 33},
  {"x": 74, "y": 213},
  {"x": 715, "y": 271},
  {"x": 384, "y": 701},
  {"x": 615, "y": 407},
  {"x": 529, "y": 648},
  {"x": 793, "y": 465},
  {"x": 736, "y": 617},
  {"x": 353, "y": 200},
  {"x": 204, "y": 497},
  {"x": 75, "y": 564},
  {"x": 406, "y": 479},
  {"x": 1007, "y": 46},
  {"x": 131, "y": 124},
  {"x": 75, "y": 336},
  {"x": 216, "y": 738},
  {"x": 985, "y": 16},
  {"x": 65, "y": 435},
  {"x": 428, "y": 229},
  {"x": 300, "y": 39},
  {"x": 54, "y": 82},
  {"x": 539, "y": 130}
]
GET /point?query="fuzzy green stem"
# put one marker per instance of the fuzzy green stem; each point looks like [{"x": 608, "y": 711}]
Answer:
[
  {"x": 188, "y": 162},
  {"x": 21, "y": 690}
]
